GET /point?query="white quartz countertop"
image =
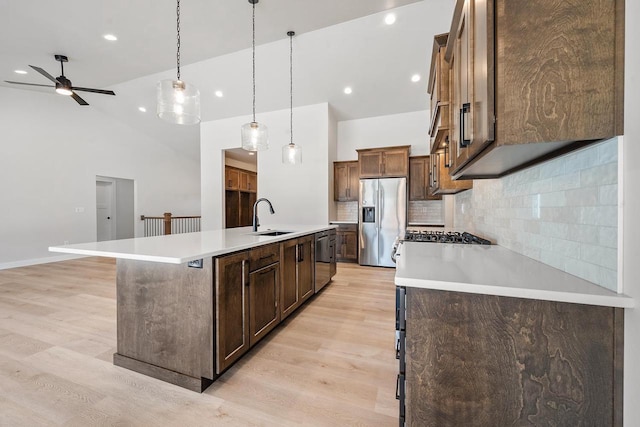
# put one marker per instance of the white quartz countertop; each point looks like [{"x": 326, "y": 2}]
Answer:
[
  {"x": 494, "y": 270},
  {"x": 180, "y": 248},
  {"x": 355, "y": 221}
]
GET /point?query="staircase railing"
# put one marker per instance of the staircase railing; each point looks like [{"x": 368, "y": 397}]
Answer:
[{"x": 168, "y": 224}]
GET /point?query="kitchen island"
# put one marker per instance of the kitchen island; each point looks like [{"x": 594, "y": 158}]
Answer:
[
  {"x": 487, "y": 336},
  {"x": 190, "y": 305}
]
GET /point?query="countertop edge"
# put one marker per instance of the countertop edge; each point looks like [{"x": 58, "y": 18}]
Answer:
[
  {"x": 618, "y": 301},
  {"x": 265, "y": 240}
]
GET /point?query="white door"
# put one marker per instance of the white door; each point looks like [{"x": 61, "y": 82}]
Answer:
[{"x": 104, "y": 214}]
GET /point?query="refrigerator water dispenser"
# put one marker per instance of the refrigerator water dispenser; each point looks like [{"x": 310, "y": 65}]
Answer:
[{"x": 368, "y": 214}]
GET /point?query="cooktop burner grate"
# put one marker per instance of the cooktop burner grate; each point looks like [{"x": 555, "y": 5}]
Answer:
[{"x": 444, "y": 237}]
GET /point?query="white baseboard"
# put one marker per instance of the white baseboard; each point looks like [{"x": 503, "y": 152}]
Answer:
[{"x": 35, "y": 261}]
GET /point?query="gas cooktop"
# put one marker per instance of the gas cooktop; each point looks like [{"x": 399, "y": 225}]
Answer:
[{"x": 444, "y": 237}]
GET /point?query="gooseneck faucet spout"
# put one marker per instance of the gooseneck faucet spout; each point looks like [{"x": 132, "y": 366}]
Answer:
[{"x": 255, "y": 212}]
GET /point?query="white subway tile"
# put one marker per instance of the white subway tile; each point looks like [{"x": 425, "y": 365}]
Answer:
[
  {"x": 604, "y": 257},
  {"x": 608, "y": 194},
  {"x": 607, "y": 237},
  {"x": 582, "y": 196},
  {"x": 599, "y": 175},
  {"x": 599, "y": 215}
]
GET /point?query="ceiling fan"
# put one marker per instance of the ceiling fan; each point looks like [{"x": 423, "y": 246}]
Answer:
[{"x": 62, "y": 84}]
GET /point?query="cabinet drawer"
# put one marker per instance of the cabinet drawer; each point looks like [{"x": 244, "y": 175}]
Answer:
[
  {"x": 263, "y": 256},
  {"x": 347, "y": 227}
]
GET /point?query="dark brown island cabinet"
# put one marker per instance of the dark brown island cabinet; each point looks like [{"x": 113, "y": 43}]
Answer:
[
  {"x": 531, "y": 80},
  {"x": 187, "y": 325},
  {"x": 483, "y": 360}
]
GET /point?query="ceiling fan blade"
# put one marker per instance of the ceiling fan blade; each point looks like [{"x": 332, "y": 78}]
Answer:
[
  {"x": 87, "y": 89},
  {"x": 78, "y": 99},
  {"x": 26, "y": 84},
  {"x": 44, "y": 73}
]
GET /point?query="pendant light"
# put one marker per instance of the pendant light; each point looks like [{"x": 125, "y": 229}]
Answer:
[
  {"x": 291, "y": 153},
  {"x": 177, "y": 101},
  {"x": 254, "y": 135}
]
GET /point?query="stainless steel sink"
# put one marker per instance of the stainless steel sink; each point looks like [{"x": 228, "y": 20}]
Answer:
[{"x": 271, "y": 233}]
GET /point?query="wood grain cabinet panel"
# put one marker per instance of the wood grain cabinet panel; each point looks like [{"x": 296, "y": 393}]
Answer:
[
  {"x": 232, "y": 309},
  {"x": 264, "y": 287},
  {"x": 384, "y": 162},
  {"x": 496, "y": 361},
  {"x": 152, "y": 332},
  {"x": 346, "y": 245},
  {"x": 232, "y": 178},
  {"x": 438, "y": 88},
  {"x": 530, "y": 81},
  {"x": 346, "y": 181},
  {"x": 297, "y": 260},
  {"x": 440, "y": 181},
  {"x": 240, "y": 195},
  {"x": 420, "y": 178}
]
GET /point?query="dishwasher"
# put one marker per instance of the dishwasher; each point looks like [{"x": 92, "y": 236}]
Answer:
[{"x": 325, "y": 264}]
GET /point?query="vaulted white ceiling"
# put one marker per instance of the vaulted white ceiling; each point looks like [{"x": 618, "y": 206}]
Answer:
[{"x": 338, "y": 43}]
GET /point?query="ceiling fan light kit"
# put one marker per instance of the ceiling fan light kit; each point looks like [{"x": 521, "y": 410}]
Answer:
[
  {"x": 254, "y": 136},
  {"x": 177, "y": 101},
  {"x": 291, "y": 153},
  {"x": 62, "y": 84}
]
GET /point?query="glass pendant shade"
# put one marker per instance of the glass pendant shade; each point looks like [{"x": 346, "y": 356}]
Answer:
[
  {"x": 178, "y": 102},
  {"x": 255, "y": 136},
  {"x": 291, "y": 154}
]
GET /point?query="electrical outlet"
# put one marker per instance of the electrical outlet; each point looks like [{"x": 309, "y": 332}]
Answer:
[
  {"x": 66, "y": 242},
  {"x": 196, "y": 263}
]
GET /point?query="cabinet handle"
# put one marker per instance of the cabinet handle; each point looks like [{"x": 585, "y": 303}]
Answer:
[
  {"x": 398, "y": 387},
  {"x": 229, "y": 183},
  {"x": 300, "y": 252},
  {"x": 244, "y": 276},
  {"x": 466, "y": 108}
]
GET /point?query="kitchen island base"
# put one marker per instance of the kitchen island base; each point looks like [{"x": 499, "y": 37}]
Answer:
[{"x": 488, "y": 360}]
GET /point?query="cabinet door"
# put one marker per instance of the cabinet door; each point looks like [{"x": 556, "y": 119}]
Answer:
[
  {"x": 244, "y": 181},
  {"x": 462, "y": 74},
  {"x": 370, "y": 163},
  {"x": 232, "y": 208},
  {"x": 246, "y": 209},
  {"x": 350, "y": 245},
  {"x": 306, "y": 264},
  {"x": 231, "y": 309},
  {"x": 396, "y": 163},
  {"x": 289, "y": 296},
  {"x": 232, "y": 179},
  {"x": 340, "y": 181},
  {"x": 417, "y": 178},
  {"x": 340, "y": 244},
  {"x": 252, "y": 182},
  {"x": 263, "y": 301},
  {"x": 353, "y": 186},
  {"x": 434, "y": 173}
]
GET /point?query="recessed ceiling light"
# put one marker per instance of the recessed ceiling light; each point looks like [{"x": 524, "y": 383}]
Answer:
[
  {"x": 415, "y": 78},
  {"x": 390, "y": 19},
  {"x": 144, "y": 110},
  {"x": 110, "y": 37},
  {"x": 348, "y": 90},
  {"x": 252, "y": 153},
  {"x": 20, "y": 72},
  {"x": 219, "y": 94}
]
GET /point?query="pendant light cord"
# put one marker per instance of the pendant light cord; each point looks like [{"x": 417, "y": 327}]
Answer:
[
  {"x": 291, "y": 83},
  {"x": 178, "y": 30},
  {"x": 253, "y": 49}
]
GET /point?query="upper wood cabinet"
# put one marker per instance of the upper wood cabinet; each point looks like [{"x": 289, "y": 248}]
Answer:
[
  {"x": 440, "y": 181},
  {"x": 240, "y": 179},
  {"x": 345, "y": 181},
  {"x": 384, "y": 162},
  {"x": 419, "y": 178},
  {"x": 532, "y": 80},
  {"x": 439, "y": 93}
]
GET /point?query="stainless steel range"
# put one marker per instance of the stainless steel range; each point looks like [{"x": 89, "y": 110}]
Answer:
[{"x": 433, "y": 236}]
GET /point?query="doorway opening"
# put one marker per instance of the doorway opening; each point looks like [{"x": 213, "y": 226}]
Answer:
[
  {"x": 240, "y": 186},
  {"x": 114, "y": 208}
]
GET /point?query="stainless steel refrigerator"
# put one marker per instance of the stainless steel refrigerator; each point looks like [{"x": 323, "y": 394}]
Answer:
[{"x": 382, "y": 207}]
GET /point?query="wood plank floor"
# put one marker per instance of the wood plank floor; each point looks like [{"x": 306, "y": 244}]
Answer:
[{"x": 332, "y": 363}]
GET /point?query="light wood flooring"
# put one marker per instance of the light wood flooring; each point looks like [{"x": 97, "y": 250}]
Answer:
[{"x": 332, "y": 363}]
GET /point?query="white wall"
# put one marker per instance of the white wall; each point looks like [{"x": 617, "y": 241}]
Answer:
[
  {"x": 384, "y": 131},
  {"x": 298, "y": 194},
  {"x": 51, "y": 152},
  {"x": 630, "y": 209}
]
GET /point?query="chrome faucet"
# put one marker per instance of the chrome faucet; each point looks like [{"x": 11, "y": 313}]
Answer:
[{"x": 256, "y": 223}]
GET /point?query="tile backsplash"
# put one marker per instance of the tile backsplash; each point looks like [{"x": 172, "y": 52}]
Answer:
[
  {"x": 563, "y": 213},
  {"x": 426, "y": 212},
  {"x": 347, "y": 211}
]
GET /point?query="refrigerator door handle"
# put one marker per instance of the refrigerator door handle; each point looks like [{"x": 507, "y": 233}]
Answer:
[{"x": 380, "y": 205}]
